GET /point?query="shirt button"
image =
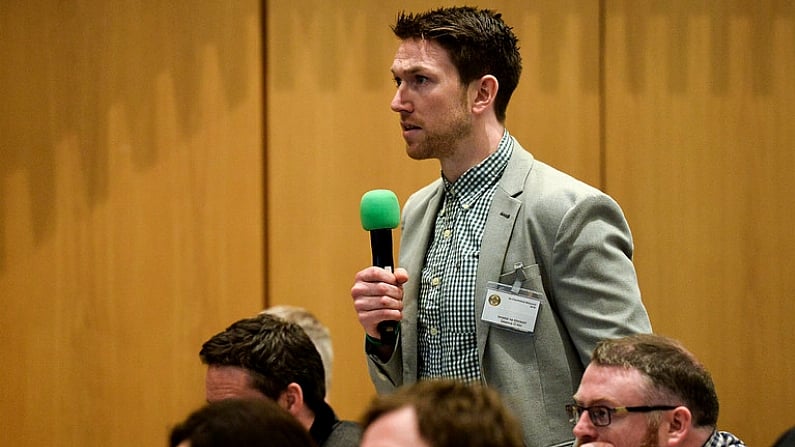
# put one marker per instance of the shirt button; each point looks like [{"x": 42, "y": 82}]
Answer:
[
  {"x": 436, "y": 281},
  {"x": 434, "y": 331},
  {"x": 447, "y": 234}
]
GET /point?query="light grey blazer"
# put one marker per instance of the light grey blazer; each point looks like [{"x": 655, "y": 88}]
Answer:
[{"x": 576, "y": 247}]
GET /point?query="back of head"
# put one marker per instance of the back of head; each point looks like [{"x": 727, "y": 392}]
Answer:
[
  {"x": 241, "y": 423},
  {"x": 452, "y": 414},
  {"x": 786, "y": 439},
  {"x": 275, "y": 351},
  {"x": 478, "y": 41},
  {"x": 316, "y": 330},
  {"x": 673, "y": 372}
]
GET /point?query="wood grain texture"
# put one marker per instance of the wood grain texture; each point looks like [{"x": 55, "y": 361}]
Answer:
[
  {"x": 699, "y": 150},
  {"x": 131, "y": 211}
]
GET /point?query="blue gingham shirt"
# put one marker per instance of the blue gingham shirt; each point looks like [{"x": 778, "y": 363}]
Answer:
[
  {"x": 723, "y": 439},
  {"x": 446, "y": 336}
]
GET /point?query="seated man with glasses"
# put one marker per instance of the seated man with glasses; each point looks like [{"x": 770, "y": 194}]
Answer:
[{"x": 646, "y": 390}]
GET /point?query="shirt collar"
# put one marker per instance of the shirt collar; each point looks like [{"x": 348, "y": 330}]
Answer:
[{"x": 484, "y": 174}]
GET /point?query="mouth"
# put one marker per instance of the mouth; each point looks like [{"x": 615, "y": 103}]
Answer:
[{"x": 408, "y": 127}]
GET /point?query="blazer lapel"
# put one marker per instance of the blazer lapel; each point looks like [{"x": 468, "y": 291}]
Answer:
[{"x": 505, "y": 208}]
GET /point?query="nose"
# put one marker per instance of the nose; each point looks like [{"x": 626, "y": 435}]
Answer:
[
  {"x": 399, "y": 104},
  {"x": 584, "y": 430}
]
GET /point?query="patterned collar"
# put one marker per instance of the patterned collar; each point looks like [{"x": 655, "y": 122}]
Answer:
[
  {"x": 723, "y": 439},
  {"x": 480, "y": 177}
]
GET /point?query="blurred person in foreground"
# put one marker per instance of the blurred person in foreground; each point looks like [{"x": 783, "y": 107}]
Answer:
[
  {"x": 269, "y": 358},
  {"x": 440, "y": 413},
  {"x": 240, "y": 423},
  {"x": 510, "y": 271},
  {"x": 646, "y": 390}
]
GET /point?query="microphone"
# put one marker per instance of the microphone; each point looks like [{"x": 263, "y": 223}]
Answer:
[{"x": 380, "y": 213}]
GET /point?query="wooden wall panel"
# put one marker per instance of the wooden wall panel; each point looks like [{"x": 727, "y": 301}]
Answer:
[
  {"x": 130, "y": 210},
  {"x": 700, "y": 148},
  {"x": 331, "y": 137}
]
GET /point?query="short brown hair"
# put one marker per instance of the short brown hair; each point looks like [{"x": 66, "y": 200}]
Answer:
[
  {"x": 673, "y": 372},
  {"x": 275, "y": 352},
  {"x": 452, "y": 414},
  {"x": 478, "y": 42}
]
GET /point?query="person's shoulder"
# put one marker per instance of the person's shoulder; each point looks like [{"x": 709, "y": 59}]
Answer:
[
  {"x": 344, "y": 434},
  {"x": 548, "y": 188},
  {"x": 552, "y": 180},
  {"x": 542, "y": 179}
]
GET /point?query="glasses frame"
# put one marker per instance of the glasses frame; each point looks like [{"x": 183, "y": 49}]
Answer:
[{"x": 575, "y": 412}]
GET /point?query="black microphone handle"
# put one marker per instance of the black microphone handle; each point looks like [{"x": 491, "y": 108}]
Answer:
[
  {"x": 389, "y": 332},
  {"x": 381, "y": 245}
]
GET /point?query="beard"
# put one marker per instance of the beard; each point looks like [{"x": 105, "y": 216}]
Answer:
[
  {"x": 441, "y": 145},
  {"x": 652, "y": 436},
  {"x": 457, "y": 127}
]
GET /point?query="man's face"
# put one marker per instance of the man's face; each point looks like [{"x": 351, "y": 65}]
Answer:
[
  {"x": 395, "y": 429},
  {"x": 433, "y": 105},
  {"x": 227, "y": 382},
  {"x": 614, "y": 387}
]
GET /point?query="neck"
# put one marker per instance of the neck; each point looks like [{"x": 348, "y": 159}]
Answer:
[
  {"x": 471, "y": 151},
  {"x": 306, "y": 418}
]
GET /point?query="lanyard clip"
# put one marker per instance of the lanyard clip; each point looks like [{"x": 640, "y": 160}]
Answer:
[{"x": 519, "y": 277}]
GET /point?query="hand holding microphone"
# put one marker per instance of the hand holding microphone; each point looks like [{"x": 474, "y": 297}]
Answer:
[{"x": 380, "y": 213}]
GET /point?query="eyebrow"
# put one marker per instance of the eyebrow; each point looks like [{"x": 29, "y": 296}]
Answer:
[
  {"x": 409, "y": 71},
  {"x": 602, "y": 400}
]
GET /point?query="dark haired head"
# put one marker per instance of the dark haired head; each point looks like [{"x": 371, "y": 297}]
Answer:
[
  {"x": 478, "y": 42},
  {"x": 275, "y": 352}
]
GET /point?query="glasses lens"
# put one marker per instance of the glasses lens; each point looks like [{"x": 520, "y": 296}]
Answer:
[{"x": 600, "y": 416}]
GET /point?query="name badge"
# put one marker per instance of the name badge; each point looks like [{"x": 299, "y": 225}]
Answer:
[{"x": 511, "y": 307}]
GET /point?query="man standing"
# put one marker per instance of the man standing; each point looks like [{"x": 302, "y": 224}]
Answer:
[{"x": 510, "y": 271}]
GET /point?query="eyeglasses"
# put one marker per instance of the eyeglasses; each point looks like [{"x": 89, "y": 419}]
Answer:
[{"x": 601, "y": 416}]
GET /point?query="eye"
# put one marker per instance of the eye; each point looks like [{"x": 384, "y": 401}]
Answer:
[
  {"x": 398, "y": 81},
  {"x": 420, "y": 80}
]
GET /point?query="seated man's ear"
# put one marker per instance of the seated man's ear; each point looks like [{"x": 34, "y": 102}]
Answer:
[
  {"x": 292, "y": 398},
  {"x": 679, "y": 424}
]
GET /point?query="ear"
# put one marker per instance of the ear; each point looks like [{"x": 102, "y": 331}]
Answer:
[
  {"x": 292, "y": 398},
  {"x": 483, "y": 91},
  {"x": 679, "y": 425}
]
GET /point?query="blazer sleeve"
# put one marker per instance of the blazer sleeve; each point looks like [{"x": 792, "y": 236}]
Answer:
[
  {"x": 386, "y": 377},
  {"x": 591, "y": 277}
]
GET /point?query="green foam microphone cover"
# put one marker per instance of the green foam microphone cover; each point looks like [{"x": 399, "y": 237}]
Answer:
[{"x": 380, "y": 210}]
